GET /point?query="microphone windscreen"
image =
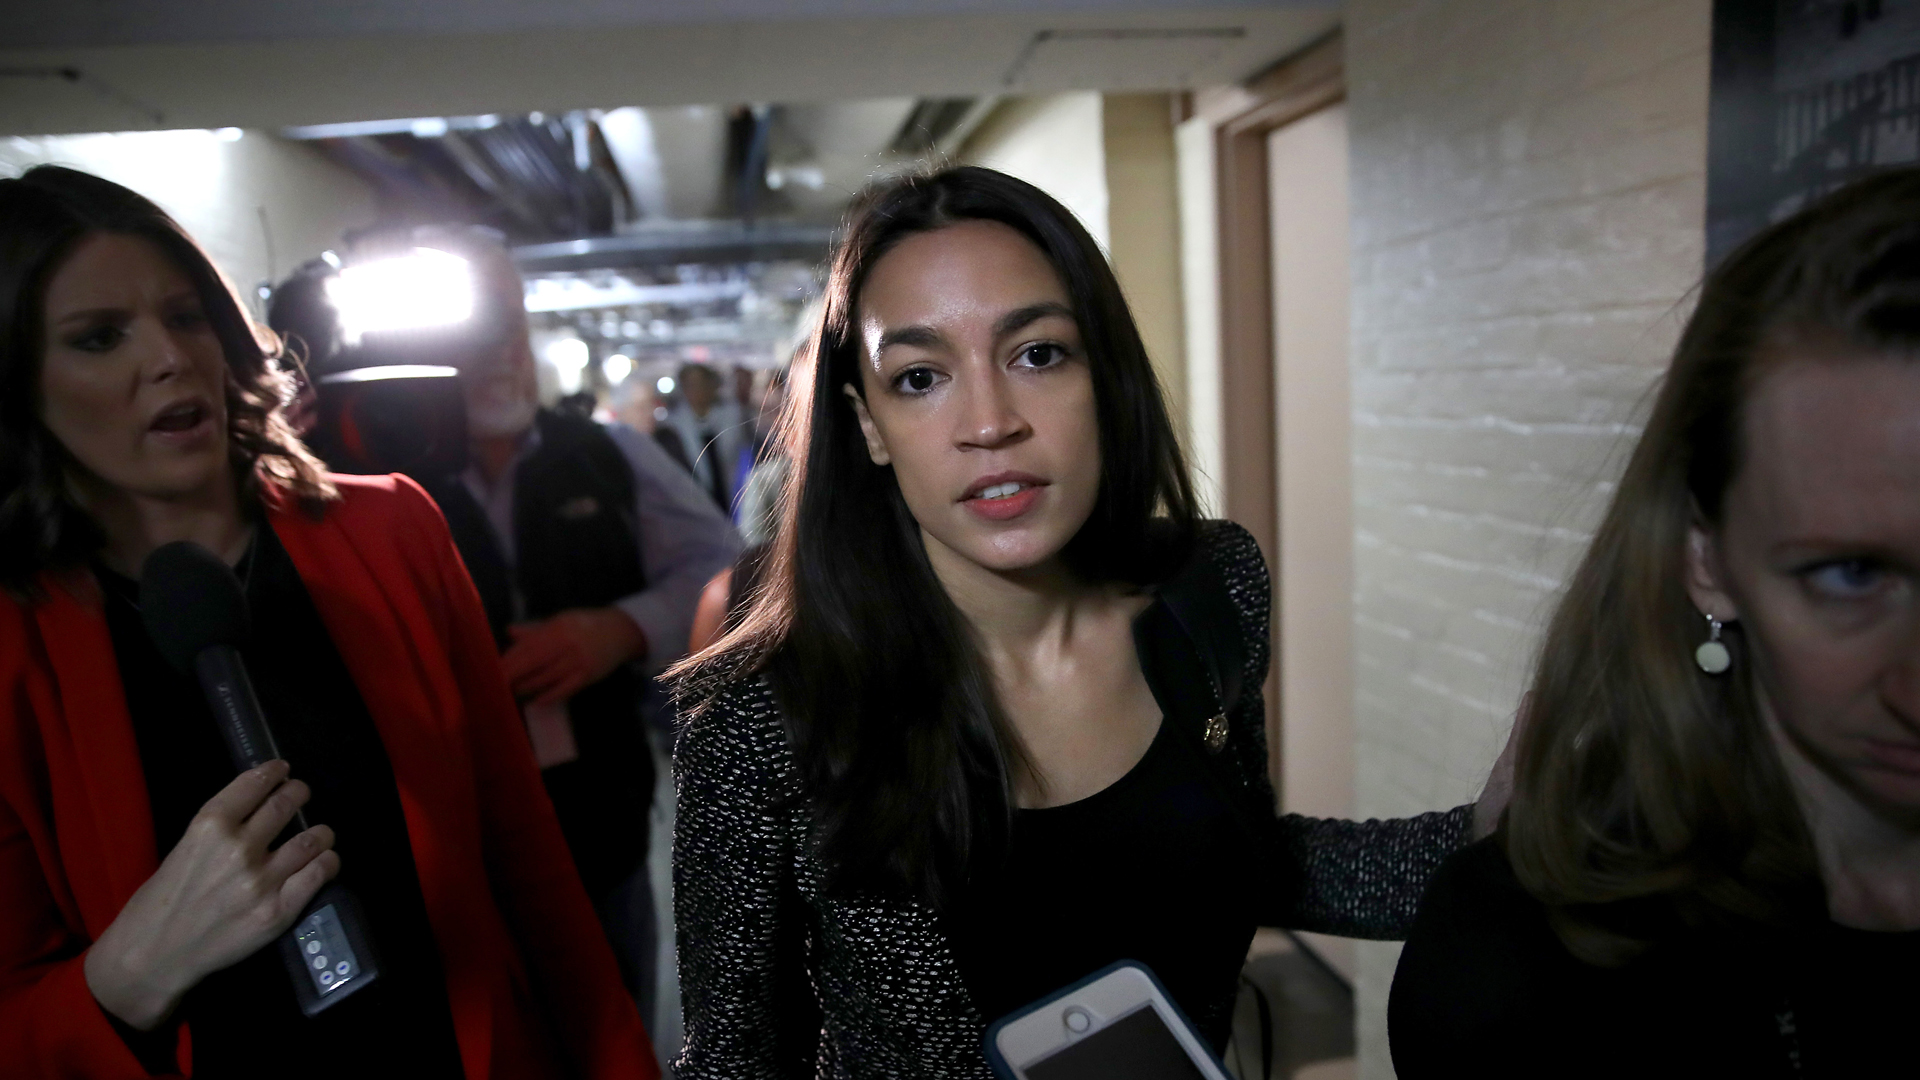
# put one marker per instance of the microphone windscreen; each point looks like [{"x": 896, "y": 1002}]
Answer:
[{"x": 191, "y": 601}]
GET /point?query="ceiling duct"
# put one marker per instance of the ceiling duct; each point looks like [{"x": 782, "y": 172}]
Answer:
[
  {"x": 535, "y": 177},
  {"x": 749, "y": 131},
  {"x": 1081, "y": 55},
  {"x": 928, "y": 125}
]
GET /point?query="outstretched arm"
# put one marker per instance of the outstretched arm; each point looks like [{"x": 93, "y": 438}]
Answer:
[
  {"x": 1361, "y": 879},
  {"x": 1366, "y": 879}
]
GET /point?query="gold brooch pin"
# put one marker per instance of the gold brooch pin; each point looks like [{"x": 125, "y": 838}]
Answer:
[{"x": 1216, "y": 732}]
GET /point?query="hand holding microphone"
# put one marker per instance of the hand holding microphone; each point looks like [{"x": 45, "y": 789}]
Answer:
[
  {"x": 218, "y": 896},
  {"x": 221, "y": 893}
]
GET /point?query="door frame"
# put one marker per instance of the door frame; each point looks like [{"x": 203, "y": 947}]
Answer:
[{"x": 1243, "y": 116}]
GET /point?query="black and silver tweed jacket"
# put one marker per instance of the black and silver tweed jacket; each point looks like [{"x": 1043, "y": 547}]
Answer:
[{"x": 761, "y": 944}]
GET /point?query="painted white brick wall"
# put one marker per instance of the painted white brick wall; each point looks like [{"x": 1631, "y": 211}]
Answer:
[
  {"x": 226, "y": 194},
  {"x": 1528, "y": 210}
]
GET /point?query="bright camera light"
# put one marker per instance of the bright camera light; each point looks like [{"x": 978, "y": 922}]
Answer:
[
  {"x": 389, "y": 371},
  {"x": 665, "y": 385},
  {"x": 425, "y": 288},
  {"x": 569, "y": 356},
  {"x": 616, "y": 368}
]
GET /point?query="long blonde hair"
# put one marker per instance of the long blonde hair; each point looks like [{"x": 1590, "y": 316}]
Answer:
[{"x": 1648, "y": 798}]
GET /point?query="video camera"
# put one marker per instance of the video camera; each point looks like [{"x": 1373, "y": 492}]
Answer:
[{"x": 384, "y": 333}]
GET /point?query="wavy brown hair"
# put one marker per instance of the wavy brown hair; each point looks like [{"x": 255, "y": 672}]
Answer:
[
  {"x": 44, "y": 214},
  {"x": 1648, "y": 798}
]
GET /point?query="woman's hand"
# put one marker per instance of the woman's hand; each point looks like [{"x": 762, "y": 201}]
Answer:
[{"x": 217, "y": 898}]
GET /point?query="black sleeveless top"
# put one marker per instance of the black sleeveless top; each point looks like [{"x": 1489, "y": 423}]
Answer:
[
  {"x": 245, "y": 1020},
  {"x": 1161, "y": 866}
]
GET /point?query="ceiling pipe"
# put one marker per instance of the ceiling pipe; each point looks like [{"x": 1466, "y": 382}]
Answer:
[
  {"x": 684, "y": 242},
  {"x": 753, "y": 169}
]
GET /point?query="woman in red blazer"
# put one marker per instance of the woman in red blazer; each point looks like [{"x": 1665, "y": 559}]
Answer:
[{"x": 137, "y": 407}]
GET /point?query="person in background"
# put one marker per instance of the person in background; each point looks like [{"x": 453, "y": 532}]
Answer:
[
  {"x": 143, "y": 885},
  {"x": 758, "y": 502},
  {"x": 753, "y": 443},
  {"x": 743, "y": 397},
  {"x": 632, "y": 406},
  {"x": 709, "y": 432},
  {"x": 1710, "y": 865},
  {"x": 756, "y": 512},
  {"x": 589, "y": 547}
]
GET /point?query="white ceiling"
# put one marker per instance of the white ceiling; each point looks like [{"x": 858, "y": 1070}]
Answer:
[
  {"x": 81, "y": 23},
  {"x": 277, "y": 63}
]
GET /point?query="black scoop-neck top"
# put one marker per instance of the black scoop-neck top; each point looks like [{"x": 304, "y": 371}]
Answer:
[{"x": 1158, "y": 867}]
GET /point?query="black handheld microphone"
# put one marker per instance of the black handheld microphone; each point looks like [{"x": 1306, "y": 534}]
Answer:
[{"x": 196, "y": 613}]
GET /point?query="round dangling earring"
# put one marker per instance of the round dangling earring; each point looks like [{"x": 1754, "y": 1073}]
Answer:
[{"x": 1712, "y": 655}]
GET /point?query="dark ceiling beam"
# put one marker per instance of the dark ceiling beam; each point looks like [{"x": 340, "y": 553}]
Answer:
[
  {"x": 478, "y": 167},
  {"x": 706, "y": 242},
  {"x": 401, "y": 180}
]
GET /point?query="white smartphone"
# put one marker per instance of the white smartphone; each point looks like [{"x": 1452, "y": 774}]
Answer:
[{"x": 1116, "y": 1024}]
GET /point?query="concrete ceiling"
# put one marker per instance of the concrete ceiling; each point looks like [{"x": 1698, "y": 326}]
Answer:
[{"x": 118, "y": 65}]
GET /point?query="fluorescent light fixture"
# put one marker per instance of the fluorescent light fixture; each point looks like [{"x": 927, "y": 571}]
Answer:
[
  {"x": 616, "y": 368},
  {"x": 389, "y": 371},
  {"x": 408, "y": 292},
  {"x": 424, "y": 127},
  {"x": 576, "y": 294},
  {"x": 806, "y": 176}
]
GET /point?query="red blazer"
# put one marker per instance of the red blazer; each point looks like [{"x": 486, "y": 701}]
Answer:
[{"x": 532, "y": 984}]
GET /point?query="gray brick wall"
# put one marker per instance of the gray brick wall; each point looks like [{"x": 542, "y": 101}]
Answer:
[{"x": 1528, "y": 210}]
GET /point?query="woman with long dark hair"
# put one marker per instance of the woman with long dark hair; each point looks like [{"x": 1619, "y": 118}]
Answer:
[
  {"x": 141, "y": 883},
  {"x": 1711, "y": 862},
  {"x": 991, "y": 718}
]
